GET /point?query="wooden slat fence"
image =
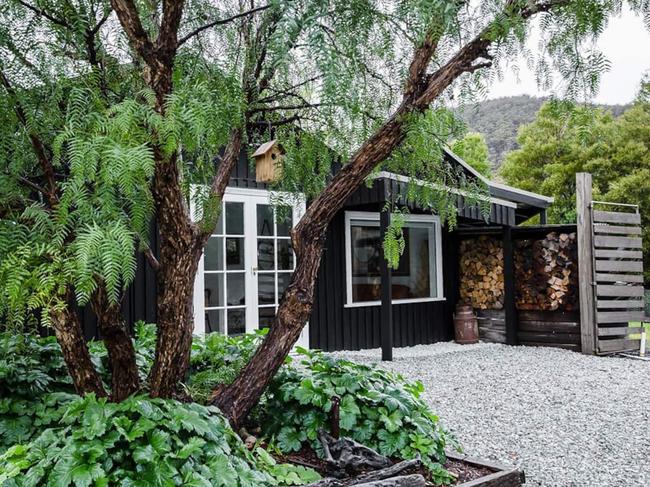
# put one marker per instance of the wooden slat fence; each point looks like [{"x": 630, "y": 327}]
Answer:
[{"x": 617, "y": 276}]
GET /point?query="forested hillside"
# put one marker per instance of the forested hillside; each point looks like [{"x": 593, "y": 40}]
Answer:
[{"x": 499, "y": 120}]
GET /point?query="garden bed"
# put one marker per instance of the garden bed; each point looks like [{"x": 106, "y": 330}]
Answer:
[
  {"x": 470, "y": 472},
  {"x": 480, "y": 473}
]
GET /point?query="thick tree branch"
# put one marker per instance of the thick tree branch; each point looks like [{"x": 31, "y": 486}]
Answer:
[
  {"x": 167, "y": 41},
  {"x": 37, "y": 143},
  {"x": 127, "y": 13},
  {"x": 227, "y": 20}
]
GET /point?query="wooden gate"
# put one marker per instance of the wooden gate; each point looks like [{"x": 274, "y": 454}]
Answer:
[{"x": 611, "y": 272}]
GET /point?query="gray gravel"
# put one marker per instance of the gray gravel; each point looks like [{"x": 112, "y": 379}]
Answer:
[{"x": 567, "y": 419}]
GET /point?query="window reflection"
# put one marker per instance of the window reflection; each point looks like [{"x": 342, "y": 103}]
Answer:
[{"x": 413, "y": 277}]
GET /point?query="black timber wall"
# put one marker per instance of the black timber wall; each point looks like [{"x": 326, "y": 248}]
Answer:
[{"x": 332, "y": 326}]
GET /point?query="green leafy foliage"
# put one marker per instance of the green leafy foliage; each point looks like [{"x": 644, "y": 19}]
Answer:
[
  {"x": 377, "y": 408},
  {"x": 217, "y": 359},
  {"x": 499, "y": 120},
  {"x": 48, "y": 434},
  {"x": 140, "y": 441},
  {"x": 567, "y": 138},
  {"x": 30, "y": 366},
  {"x": 473, "y": 149}
]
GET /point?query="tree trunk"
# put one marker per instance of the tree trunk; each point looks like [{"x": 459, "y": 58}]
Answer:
[
  {"x": 179, "y": 257},
  {"x": 125, "y": 379},
  {"x": 181, "y": 246},
  {"x": 67, "y": 329}
]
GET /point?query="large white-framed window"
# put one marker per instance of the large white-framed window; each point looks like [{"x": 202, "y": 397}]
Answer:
[{"x": 419, "y": 275}]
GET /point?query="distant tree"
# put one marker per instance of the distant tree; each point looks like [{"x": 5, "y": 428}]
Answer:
[
  {"x": 473, "y": 149},
  {"x": 565, "y": 139}
]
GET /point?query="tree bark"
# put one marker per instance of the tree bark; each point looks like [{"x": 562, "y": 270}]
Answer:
[
  {"x": 67, "y": 329},
  {"x": 125, "y": 379},
  {"x": 179, "y": 258}
]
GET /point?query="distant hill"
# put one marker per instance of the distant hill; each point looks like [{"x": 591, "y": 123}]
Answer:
[{"x": 499, "y": 120}]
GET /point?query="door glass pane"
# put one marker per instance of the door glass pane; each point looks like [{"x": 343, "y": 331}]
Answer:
[
  {"x": 213, "y": 290},
  {"x": 266, "y": 288},
  {"x": 219, "y": 228},
  {"x": 283, "y": 281},
  {"x": 266, "y": 316},
  {"x": 213, "y": 258},
  {"x": 265, "y": 220},
  {"x": 214, "y": 321},
  {"x": 285, "y": 255},
  {"x": 235, "y": 218},
  {"x": 235, "y": 289},
  {"x": 265, "y": 250},
  {"x": 285, "y": 222},
  {"x": 236, "y": 321},
  {"x": 234, "y": 253}
]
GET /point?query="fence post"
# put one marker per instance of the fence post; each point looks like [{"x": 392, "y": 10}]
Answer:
[{"x": 585, "y": 263}]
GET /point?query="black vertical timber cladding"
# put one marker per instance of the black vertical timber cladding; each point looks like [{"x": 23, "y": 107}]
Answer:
[{"x": 333, "y": 326}]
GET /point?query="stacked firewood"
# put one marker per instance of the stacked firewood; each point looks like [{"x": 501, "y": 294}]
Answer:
[
  {"x": 481, "y": 272},
  {"x": 546, "y": 272}
]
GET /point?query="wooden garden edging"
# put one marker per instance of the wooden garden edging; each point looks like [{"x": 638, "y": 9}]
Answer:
[{"x": 502, "y": 476}]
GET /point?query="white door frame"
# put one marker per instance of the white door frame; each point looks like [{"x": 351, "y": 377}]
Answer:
[{"x": 251, "y": 198}]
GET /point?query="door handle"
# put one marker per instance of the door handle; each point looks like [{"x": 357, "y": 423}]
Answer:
[{"x": 254, "y": 270}]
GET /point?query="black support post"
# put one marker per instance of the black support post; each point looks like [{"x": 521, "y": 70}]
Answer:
[
  {"x": 542, "y": 217},
  {"x": 509, "y": 304},
  {"x": 386, "y": 295}
]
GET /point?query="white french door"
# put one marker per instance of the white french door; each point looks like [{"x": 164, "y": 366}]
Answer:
[{"x": 246, "y": 265}]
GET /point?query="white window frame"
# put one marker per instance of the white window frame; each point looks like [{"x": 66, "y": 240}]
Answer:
[
  {"x": 373, "y": 217},
  {"x": 250, "y": 197}
]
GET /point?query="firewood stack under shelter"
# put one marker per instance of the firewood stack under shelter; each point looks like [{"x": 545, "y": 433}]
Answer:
[
  {"x": 546, "y": 272},
  {"x": 545, "y": 285}
]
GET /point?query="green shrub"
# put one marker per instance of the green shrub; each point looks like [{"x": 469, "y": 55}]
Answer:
[
  {"x": 140, "y": 441},
  {"x": 145, "y": 347},
  {"x": 217, "y": 359},
  {"x": 23, "y": 419},
  {"x": 30, "y": 366},
  {"x": 377, "y": 408}
]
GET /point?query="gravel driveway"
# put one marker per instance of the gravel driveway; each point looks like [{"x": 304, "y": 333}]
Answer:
[{"x": 567, "y": 419}]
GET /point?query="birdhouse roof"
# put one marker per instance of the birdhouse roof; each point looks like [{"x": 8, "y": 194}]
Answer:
[{"x": 264, "y": 148}]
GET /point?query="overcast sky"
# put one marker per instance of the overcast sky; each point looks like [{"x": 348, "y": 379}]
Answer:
[{"x": 625, "y": 43}]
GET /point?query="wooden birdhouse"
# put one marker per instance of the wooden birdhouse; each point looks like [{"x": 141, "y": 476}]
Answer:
[{"x": 268, "y": 162}]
